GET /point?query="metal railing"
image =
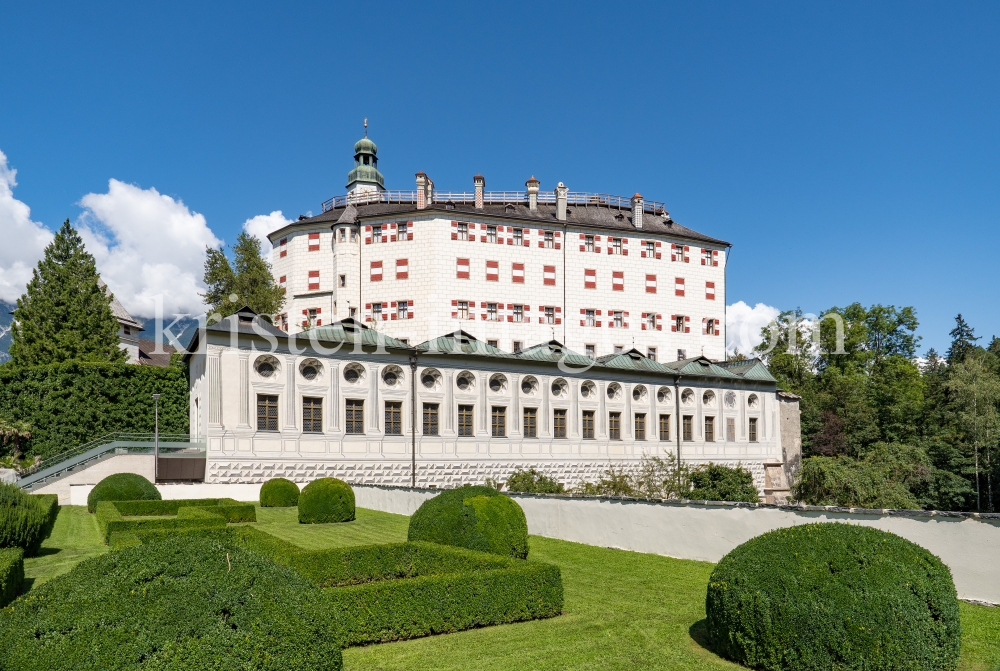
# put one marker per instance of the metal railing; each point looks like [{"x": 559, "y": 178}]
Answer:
[{"x": 585, "y": 198}]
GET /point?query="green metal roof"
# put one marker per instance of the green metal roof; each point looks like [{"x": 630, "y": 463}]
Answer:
[
  {"x": 752, "y": 369},
  {"x": 700, "y": 366},
  {"x": 365, "y": 146},
  {"x": 461, "y": 342},
  {"x": 633, "y": 360},
  {"x": 553, "y": 351},
  {"x": 349, "y": 331}
]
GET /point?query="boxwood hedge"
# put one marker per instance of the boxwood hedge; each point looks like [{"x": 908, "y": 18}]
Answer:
[
  {"x": 326, "y": 500},
  {"x": 174, "y": 603},
  {"x": 204, "y": 513},
  {"x": 279, "y": 493},
  {"x": 122, "y": 487},
  {"x": 473, "y": 517},
  {"x": 25, "y": 520},
  {"x": 833, "y": 596},
  {"x": 11, "y": 574}
]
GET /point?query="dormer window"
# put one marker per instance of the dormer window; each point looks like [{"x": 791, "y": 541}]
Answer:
[
  {"x": 244, "y": 319},
  {"x": 508, "y": 208}
]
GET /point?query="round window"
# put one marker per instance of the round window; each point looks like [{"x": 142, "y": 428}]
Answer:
[
  {"x": 526, "y": 386},
  {"x": 352, "y": 375},
  {"x": 638, "y": 393},
  {"x": 309, "y": 372},
  {"x": 464, "y": 382},
  {"x": 587, "y": 389},
  {"x": 663, "y": 395},
  {"x": 614, "y": 391},
  {"x": 495, "y": 385},
  {"x": 265, "y": 369},
  {"x": 427, "y": 380},
  {"x": 390, "y": 378}
]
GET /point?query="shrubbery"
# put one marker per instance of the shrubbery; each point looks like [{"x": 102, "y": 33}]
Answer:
[
  {"x": 25, "y": 520},
  {"x": 326, "y": 500},
  {"x": 175, "y": 515},
  {"x": 833, "y": 596},
  {"x": 533, "y": 482},
  {"x": 175, "y": 603},
  {"x": 11, "y": 574},
  {"x": 478, "y": 518},
  {"x": 122, "y": 487},
  {"x": 279, "y": 493},
  {"x": 883, "y": 476},
  {"x": 664, "y": 478},
  {"x": 723, "y": 483}
]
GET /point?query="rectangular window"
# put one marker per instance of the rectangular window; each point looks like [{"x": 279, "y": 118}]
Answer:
[
  {"x": 402, "y": 309},
  {"x": 651, "y": 353},
  {"x": 518, "y": 313},
  {"x": 591, "y": 351},
  {"x": 312, "y": 415},
  {"x": 311, "y": 314},
  {"x": 519, "y": 237},
  {"x": 531, "y": 422},
  {"x": 619, "y": 349},
  {"x": 650, "y": 248},
  {"x": 559, "y": 423},
  {"x": 710, "y": 327},
  {"x": 706, "y": 257},
  {"x": 681, "y": 354},
  {"x": 517, "y": 346},
  {"x": 377, "y": 311},
  {"x": 354, "y": 235},
  {"x": 343, "y": 234},
  {"x": 615, "y": 425},
  {"x": 550, "y": 315},
  {"x": 493, "y": 343},
  {"x": 394, "y": 418},
  {"x": 687, "y": 428},
  {"x": 588, "y": 243},
  {"x": 430, "y": 419},
  {"x": 491, "y": 312},
  {"x": 463, "y": 231},
  {"x": 753, "y": 429},
  {"x": 730, "y": 429},
  {"x": 354, "y": 312},
  {"x": 499, "y": 421},
  {"x": 588, "y": 424},
  {"x": 267, "y": 413},
  {"x": 465, "y": 420},
  {"x": 640, "y": 426},
  {"x": 664, "y": 427},
  {"x": 491, "y": 234},
  {"x": 618, "y": 317},
  {"x": 710, "y": 429},
  {"x": 355, "y": 416},
  {"x": 463, "y": 309},
  {"x": 591, "y": 319},
  {"x": 377, "y": 233},
  {"x": 650, "y": 321},
  {"x": 401, "y": 231},
  {"x": 616, "y": 245},
  {"x": 550, "y": 240},
  {"x": 679, "y": 324},
  {"x": 343, "y": 278}
]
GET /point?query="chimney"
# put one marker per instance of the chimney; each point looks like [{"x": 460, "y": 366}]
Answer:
[
  {"x": 421, "y": 190},
  {"x": 429, "y": 192},
  {"x": 561, "y": 193},
  {"x": 637, "y": 211},
  {"x": 532, "y": 185},
  {"x": 480, "y": 183}
]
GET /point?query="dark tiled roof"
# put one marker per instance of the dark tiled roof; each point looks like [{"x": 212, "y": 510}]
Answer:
[
  {"x": 151, "y": 355},
  {"x": 597, "y": 216}
]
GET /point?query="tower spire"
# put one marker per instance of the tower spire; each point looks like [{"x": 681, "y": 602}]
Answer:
[{"x": 366, "y": 126}]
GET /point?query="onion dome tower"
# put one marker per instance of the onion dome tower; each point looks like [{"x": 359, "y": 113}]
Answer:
[{"x": 365, "y": 177}]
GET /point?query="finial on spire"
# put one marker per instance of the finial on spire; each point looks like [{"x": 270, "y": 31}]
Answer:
[{"x": 366, "y": 126}]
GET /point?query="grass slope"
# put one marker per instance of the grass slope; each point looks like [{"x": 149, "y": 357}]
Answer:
[{"x": 624, "y": 610}]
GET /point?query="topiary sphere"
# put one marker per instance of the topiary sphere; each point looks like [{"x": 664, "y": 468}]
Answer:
[
  {"x": 24, "y": 521},
  {"x": 478, "y": 518},
  {"x": 833, "y": 596},
  {"x": 279, "y": 493},
  {"x": 122, "y": 487},
  {"x": 326, "y": 500}
]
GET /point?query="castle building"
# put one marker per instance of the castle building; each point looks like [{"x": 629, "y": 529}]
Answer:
[{"x": 443, "y": 337}]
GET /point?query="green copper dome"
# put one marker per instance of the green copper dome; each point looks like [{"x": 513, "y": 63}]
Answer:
[
  {"x": 365, "y": 164},
  {"x": 365, "y": 146}
]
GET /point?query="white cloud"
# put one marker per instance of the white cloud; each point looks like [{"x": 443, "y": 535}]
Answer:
[
  {"x": 743, "y": 325},
  {"x": 263, "y": 224},
  {"x": 147, "y": 245},
  {"x": 24, "y": 240}
]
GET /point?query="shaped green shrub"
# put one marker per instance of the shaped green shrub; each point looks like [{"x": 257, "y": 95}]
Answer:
[
  {"x": 326, "y": 500},
  {"x": 122, "y": 487},
  {"x": 833, "y": 596},
  {"x": 11, "y": 574},
  {"x": 25, "y": 520},
  {"x": 50, "y": 504},
  {"x": 722, "y": 483},
  {"x": 478, "y": 518},
  {"x": 179, "y": 603},
  {"x": 279, "y": 493}
]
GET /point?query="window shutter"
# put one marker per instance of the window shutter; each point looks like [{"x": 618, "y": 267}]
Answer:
[
  {"x": 454, "y": 230},
  {"x": 409, "y": 230},
  {"x": 715, "y": 261}
]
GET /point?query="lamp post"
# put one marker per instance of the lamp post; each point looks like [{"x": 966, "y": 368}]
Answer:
[{"x": 156, "y": 438}]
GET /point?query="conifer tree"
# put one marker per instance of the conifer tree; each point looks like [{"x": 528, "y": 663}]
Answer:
[
  {"x": 65, "y": 312},
  {"x": 248, "y": 278},
  {"x": 963, "y": 339}
]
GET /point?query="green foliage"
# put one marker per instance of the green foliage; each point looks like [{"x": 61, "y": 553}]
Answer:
[
  {"x": 326, "y": 500},
  {"x": 882, "y": 478},
  {"x": 615, "y": 481},
  {"x": 122, "y": 487},
  {"x": 50, "y": 504},
  {"x": 142, "y": 508},
  {"x": 72, "y": 403},
  {"x": 115, "y": 524},
  {"x": 963, "y": 341},
  {"x": 25, "y": 520},
  {"x": 723, "y": 483},
  {"x": 11, "y": 574},
  {"x": 249, "y": 278},
  {"x": 279, "y": 493},
  {"x": 833, "y": 596},
  {"x": 533, "y": 482},
  {"x": 477, "y": 518},
  {"x": 174, "y": 603},
  {"x": 65, "y": 313}
]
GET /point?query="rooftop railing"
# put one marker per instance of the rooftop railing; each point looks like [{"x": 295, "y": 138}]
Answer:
[{"x": 579, "y": 198}]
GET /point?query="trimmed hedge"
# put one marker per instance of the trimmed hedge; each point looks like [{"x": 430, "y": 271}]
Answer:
[
  {"x": 168, "y": 507},
  {"x": 190, "y": 514},
  {"x": 405, "y": 590},
  {"x": 25, "y": 520},
  {"x": 279, "y": 493},
  {"x": 122, "y": 487},
  {"x": 71, "y": 403},
  {"x": 833, "y": 596},
  {"x": 50, "y": 504},
  {"x": 473, "y": 517},
  {"x": 110, "y": 521},
  {"x": 326, "y": 500},
  {"x": 11, "y": 574},
  {"x": 174, "y": 603}
]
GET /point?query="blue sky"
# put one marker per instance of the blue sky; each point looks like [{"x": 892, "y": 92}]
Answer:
[{"x": 847, "y": 150}]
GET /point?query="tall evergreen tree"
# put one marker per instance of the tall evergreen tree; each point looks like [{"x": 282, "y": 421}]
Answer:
[
  {"x": 963, "y": 339},
  {"x": 248, "y": 278},
  {"x": 65, "y": 313}
]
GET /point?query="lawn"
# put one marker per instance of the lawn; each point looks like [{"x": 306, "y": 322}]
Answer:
[{"x": 624, "y": 610}]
